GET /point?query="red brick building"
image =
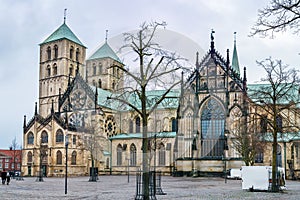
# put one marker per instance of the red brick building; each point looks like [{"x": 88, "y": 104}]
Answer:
[{"x": 10, "y": 160}]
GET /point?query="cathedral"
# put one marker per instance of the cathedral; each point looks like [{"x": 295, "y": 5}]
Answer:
[{"x": 192, "y": 132}]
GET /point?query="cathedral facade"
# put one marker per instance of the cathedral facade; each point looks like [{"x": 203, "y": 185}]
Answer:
[{"x": 191, "y": 132}]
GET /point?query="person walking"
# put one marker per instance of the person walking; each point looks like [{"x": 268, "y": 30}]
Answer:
[
  {"x": 7, "y": 178},
  {"x": 3, "y": 176}
]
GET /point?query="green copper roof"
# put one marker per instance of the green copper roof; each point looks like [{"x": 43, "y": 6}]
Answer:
[
  {"x": 63, "y": 32},
  {"x": 235, "y": 61},
  {"x": 105, "y": 51}
]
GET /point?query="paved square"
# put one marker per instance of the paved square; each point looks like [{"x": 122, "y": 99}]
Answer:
[{"x": 117, "y": 187}]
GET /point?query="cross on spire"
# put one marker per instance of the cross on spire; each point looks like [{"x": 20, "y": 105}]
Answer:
[{"x": 106, "y": 34}]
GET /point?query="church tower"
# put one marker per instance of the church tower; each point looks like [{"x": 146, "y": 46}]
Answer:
[
  {"x": 103, "y": 69},
  {"x": 61, "y": 55}
]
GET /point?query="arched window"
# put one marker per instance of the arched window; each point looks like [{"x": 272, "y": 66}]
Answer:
[
  {"x": 55, "y": 51},
  {"x": 29, "y": 157},
  {"x": 94, "y": 69},
  {"x": 71, "y": 52},
  {"x": 113, "y": 85},
  {"x": 54, "y": 69},
  {"x": 137, "y": 125},
  {"x": 212, "y": 129},
  {"x": 174, "y": 125},
  {"x": 49, "y": 53},
  {"x": 48, "y": 71},
  {"x": 44, "y": 137},
  {"x": 99, "y": 83},
  {"x": 162, "y": 155},
  {"x": 59, "y": 136},
  {"x": 74, "y": 156},
  {"x": 30, "y": 138},
  {"x": 71, "y": 70},
  {"x": 264, "y": 124},
  {"x": 132, "y": 155},
  {"x": 279, "y": 123},
  {"x": 119, "y": 155},
  {"x": 77, "y": 54},
  {"x": 58, "y": 158},
  {"x": 100, "y": 68}
]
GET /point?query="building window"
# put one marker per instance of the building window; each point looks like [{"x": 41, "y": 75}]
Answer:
[
  {"x": 130, "y": 126},
  {"x": 71, "y": 52},
  {"x": 100, "y": 68},
  {"x": 6, "y": 165},
  {"x": 59, "y": 136},
  {"x": 94, "y": 69},
  {"x": 30, "y": 138},
  {"x": 71, "y": 70},
  {"x": 54, "y": 70},
  {"x": 132, "y": 155},
  {"x": 137, "y": 125},
  {"x": 174, "y": 125},
  {"x": 29, "y": 157},
  {"x": 44, "y": 137},
  {"x": 73, "y": 160},
  {"x": 119, "y": 155},
  {"x": 77, "y": 54},
  {"x": 58, "y": 158},
  {"x": 48, "y": 71},
  {"x": 259, "y": 157},
  {"x": 99, "y": 83},
  {"x": 49, "y": 53},
  {"x": 74, "y": 139},
  {"x": 113, "y": 85},
  {"x": 212, "y": 129},
  {"x": 162, "y": 155},
  {"x": 55, "y": 51},
  {"x": 279, "y": 123},
  {"x": 264, "y": 124}
]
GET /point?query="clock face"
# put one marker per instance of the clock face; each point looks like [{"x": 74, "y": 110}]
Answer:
[
  {"x": 78, "y": 99},
  {"x": 76, "y": 119}
]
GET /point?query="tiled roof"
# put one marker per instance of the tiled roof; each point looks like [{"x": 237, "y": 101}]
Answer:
[{"x": 63, "y": 32}]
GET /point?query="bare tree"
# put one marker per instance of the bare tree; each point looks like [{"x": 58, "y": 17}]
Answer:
[
  {"x": 278, "y": 94},
  {"x": 156, "y": 68},
  {"x": 17, "y": 153},
  {"x": 278, "y": 16}
]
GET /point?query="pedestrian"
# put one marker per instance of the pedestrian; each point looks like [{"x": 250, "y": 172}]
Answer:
[
  {"x": 8, "y": 178},
  {"x": 3, "y": 176}
]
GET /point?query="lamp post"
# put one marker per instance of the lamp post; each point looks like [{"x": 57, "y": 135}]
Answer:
[{"x": 66, "y": 175}]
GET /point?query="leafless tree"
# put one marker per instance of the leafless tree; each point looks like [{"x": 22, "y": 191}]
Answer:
[
  {"x": 278, "y": 16},
  {"x": 17, "y": 153},
  {"x": 156, "y": 68},
  {"x": 278, "y": 94}
]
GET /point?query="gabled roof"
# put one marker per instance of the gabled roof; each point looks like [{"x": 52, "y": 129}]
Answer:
[
  {"x": 63, "y": 32},
  {"x": 105, "y": 51}
]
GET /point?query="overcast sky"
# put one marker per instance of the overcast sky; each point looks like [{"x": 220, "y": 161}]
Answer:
[{"x": 25, "y": 24}]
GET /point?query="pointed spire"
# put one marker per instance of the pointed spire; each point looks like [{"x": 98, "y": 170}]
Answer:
[
  {"x": 35, "y": 109},
  {"x": 52, "y": 107},
  {"x": 235, "y": 61},
  {"x": 65, "y": 15},
  {"x": 212, "y": 43},
  {"x": 24, "y": 123}
]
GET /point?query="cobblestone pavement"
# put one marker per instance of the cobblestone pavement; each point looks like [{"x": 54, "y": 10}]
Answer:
[{"x": 117, "y": 187}]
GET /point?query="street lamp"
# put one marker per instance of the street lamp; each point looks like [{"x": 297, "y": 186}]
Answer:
[{"x": 66, "y": 175}]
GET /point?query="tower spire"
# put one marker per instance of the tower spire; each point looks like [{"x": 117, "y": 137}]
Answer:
[
  {"x": 235, "y": 61},
  {"x": 65, "y": 15}
]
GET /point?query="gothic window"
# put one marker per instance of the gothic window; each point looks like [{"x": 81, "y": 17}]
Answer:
[
  {"x": 55, "y": 51},
  {"x": 71, "y": 52},
  {"x": 264, "y": 124},
  {"x": 77, "y": 54},
  {"x": 44, "y": 137},
  {"x": 54, "y": 69},
  {"x": 48, "y": 71},
  {"x": 132, "y": 155},
  {"x": 212, "y": 129},
  {"x": 29, "y": 157},
  {"x": 58, "y": 158},
  {"x": 49, "y": 53},
  {"x": 174, "y": 125},
  {"x": 119, "y": 155},
  {"x": 100, "y": 68},
  {"x": 30, "y": 138},
  {"x": 71, "y": 70},
  {"x": 73, "y": 159},
  {"x": 59, "y": 136},
  {"x": 162, "y": 155},
  {"x": 259, "y": 157},
  {"x": 137, "y": 125},
  {"x": 94, "y": 69}
]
